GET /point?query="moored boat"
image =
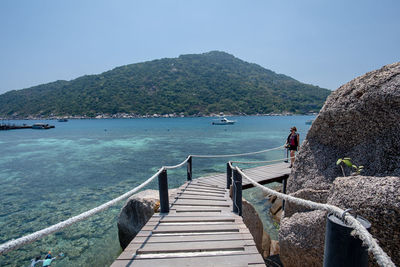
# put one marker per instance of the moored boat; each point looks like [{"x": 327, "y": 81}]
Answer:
[{"x": 223, "y": 121}]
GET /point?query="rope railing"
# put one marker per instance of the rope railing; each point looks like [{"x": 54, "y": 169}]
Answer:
[
  {"x": 178, "y": 165},
  {"x": 237, "y": 155},
  {"x": 27, "y": 239},
  {"x": 260, "y": 162},
  {"x": 16, "y": 243},
  {"x": 359, "y": 230}
]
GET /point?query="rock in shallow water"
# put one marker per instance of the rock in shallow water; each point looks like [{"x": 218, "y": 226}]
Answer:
[
  {"x": 137, "y": 210},
  {"x": 255, "y": 226}
]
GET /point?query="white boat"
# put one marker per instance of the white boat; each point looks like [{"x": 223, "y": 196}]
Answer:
[{"x": 223, "y": 121}]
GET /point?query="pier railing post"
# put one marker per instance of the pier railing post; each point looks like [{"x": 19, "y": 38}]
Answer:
[
  {"x": 287, "y": 155},
  {"x": 228, "y": 176},
  {"x": 341, "y": 248},
  {"x": 237, "y": 193},
  {"x": 284, "y": 184},
  {"x": 163, "y": 191},
  {"x": 189, "y": 169}
]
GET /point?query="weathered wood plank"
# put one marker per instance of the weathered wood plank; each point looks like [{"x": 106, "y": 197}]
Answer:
[
  {"x": 176, "y": 219},
  {"x": 200, "y": 194},
  {"x": 235, "y": 260},
  {"x": 186, "y": 202},
  {"x": 161, "y": 250},
  {"x": 199, "y": 191},
  {"x": 194, "y": 228},
  {"x": 211, "y": 189},
  {"x": 191, "y": 238},
  {"x": 196, "y": 246}
]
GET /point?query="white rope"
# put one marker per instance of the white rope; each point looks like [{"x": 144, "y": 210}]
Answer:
[
  {"x": 359, "y": 230},
  {"x": 237, "y": 155},
  {"x": 261, "y": 162},
  {"x": 177, "y": 166},
  {"x": 13, "y": 244}
]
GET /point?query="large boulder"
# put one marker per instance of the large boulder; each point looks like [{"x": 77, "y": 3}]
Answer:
[
  {"x": 300, "y": 245},
  {"x": 360, "y": 120},
  {"x": 376, "y": 199},
  {"x": 255, "y": 226},
  {"x": 137, "y": 210}
]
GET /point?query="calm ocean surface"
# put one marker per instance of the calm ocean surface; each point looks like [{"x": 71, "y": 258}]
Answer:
[{"x": 47, "y": 176}]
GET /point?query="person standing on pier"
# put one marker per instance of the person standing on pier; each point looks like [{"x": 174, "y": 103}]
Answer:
[{"x": 292, "y": 143}]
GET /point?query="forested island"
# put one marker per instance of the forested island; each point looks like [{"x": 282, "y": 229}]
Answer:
[{"x": 190, "y": 85}]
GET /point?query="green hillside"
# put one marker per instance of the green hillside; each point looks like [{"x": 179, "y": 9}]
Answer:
[{"x": 206, "y": 83}]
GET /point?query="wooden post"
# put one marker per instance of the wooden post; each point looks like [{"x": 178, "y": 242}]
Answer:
[
  {"x": 189, "y": 169},
  {"x": 228, "y": 176},
  {"x": 284, "y": 183},
  {"x": 237, "y": 193},
  {"x": 287, "y": 155},
  {"x": 163, "y": 191},
  {"x": 341, "y": 248}
]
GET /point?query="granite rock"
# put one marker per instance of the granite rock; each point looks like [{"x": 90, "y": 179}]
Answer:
[
  {"x": 275, "y": 248},
  {"x": 137, "y": 210},
  {"x": 378, "y": 200},
  {"x": 319, "y": 196},
  {"x": 255, "y": 226},
  {"x": 300, "y": 243},
  {"x": 360, "y": 120}
]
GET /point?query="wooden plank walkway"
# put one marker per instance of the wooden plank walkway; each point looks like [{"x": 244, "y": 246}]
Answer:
[
  {"x": 199, "y": 230},
  {"x": 267, "y": 174}
]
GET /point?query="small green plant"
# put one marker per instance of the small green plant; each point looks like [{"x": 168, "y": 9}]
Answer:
[{"x": 347, "y": 162}]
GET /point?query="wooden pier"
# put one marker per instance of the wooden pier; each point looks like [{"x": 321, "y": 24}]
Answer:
[
  {"x": 44, "y": 126},
  {"x": 200, "y": 228},
  {"x": 278, "y": 172}
]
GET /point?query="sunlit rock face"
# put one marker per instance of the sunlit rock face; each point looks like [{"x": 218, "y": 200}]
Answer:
[
  {"x": 137, "y": 210},
  {"x": 360, "y": 120}
]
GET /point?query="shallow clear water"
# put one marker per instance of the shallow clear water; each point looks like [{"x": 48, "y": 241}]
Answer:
[{"x": 47, "y": 176}]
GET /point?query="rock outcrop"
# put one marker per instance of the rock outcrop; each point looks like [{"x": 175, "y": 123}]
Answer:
[
  {"x": 276, "y": 205},
  {"x": 255, "y": 226},
  {"x": 360, "y": 120},
  {"x": 378, "y": 200},
  {"x": 137, "y": 210}
]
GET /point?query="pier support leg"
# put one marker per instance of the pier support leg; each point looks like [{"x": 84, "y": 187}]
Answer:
[
  {"x": 341, "y": 248},
  {"x": 237, "y": 193},
  {"x": 163, "y": 191},
  {"x": 189, "y": 169},
  {"x": 284, "y": 184},
  {"x": 287, "y": 155},
  {"x": 228, "y": 176}
]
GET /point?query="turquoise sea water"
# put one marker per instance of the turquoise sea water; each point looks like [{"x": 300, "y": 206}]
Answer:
[{"x": 47, "y": 176}]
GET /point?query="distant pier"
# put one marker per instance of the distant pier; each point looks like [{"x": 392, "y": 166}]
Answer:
[{"x": 44, "y": 126}]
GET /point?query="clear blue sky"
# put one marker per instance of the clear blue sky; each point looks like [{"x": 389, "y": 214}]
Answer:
[{"x": 320, "y": 42}]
